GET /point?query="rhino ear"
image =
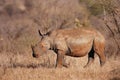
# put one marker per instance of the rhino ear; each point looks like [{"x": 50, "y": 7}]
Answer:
[
  {"x": 48, "y": 33},
  {"x": 40, "y": 33}
]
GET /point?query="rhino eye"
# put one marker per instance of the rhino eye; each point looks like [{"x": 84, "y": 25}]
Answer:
[{"x": 41, "y": 45}]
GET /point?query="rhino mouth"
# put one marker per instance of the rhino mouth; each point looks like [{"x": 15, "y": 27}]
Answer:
[{"x": 35, "y": 55}]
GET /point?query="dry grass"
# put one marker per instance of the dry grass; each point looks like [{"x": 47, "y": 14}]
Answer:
[{"x": 43, "y": 68}]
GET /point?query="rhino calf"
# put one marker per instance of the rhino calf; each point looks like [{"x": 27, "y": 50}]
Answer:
[{"x": 75, "y": 42}]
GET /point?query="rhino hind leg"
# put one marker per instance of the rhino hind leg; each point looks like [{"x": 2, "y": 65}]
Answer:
[
  {"x": 102, "y": 58},
  {"x": 90, "y": 58},
  {"x": 99, "y": 49}
]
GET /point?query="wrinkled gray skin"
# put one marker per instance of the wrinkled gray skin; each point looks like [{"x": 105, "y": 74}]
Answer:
[{"x": 76, "y": 42}]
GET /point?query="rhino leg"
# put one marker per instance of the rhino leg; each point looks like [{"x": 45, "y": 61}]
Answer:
[
  {"x": 60, "y": 59},
  {"x": 102, "y": 58},
  {"x": 99, "y": 49},
  {"x": 90, "y": 58},
  {"x": 90, "y": 61}
]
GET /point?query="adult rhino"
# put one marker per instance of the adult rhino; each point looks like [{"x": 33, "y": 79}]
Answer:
[{"x": 76, "y": 42}]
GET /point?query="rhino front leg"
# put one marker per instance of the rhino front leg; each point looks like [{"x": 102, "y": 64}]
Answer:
[{"x": 60, "y": 59}]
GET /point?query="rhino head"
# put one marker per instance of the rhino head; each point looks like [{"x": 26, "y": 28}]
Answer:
[{"x": 42, "y": 46}]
